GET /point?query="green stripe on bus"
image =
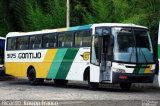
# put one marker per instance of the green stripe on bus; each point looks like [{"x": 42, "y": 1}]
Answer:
[
  {"x": 66, "y": 63},
  {"x": 159, "y": 51},
  {"x": 56, "y": 63},
  {"x": 136, "y": 70},
  {"x": 141, "y": 71}
]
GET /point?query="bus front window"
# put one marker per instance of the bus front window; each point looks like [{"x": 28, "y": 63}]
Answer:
[{"x": 132, "y": 45}]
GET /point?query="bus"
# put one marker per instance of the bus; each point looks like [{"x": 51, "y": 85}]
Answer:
[
  {"x": 98, "y": 53},
  {"x": 2, "y": 44}
]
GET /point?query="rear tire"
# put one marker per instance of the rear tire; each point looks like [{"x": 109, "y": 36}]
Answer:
[
  {"x": 125, "y": 86},
  {"x": 60, "y": 82},
  {"x": 32, "y": 78}
]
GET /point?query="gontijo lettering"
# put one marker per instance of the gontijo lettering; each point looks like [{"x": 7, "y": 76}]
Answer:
[{"x": 36, "y": 55}]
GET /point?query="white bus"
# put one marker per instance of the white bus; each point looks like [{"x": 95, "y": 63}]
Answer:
[
  {"x": 98, "y": 53},
  {"x": 2, "y": 44}
]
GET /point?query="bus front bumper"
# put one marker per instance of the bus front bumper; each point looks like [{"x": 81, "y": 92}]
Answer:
[{"x": 132, "y": 78}]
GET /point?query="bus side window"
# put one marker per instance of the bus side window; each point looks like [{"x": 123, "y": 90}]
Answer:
[
  {"x": 83, "y": 38},
  {"x": 65, "y": 40},
  {"x": 31, "y": 42},
  {"x": 78, "y": 38},
  {"x": 49, "y": 41},
  {"x": 61, "y": 39},
  {"x": 87, "y": 38},
  {"x": 11, "y": 44},
  {"x": 35, "y": 42},
  {"x": 22, "y": 43},
  {"x": 69, "y": 39},
  {"x": 38, "y": 41}
]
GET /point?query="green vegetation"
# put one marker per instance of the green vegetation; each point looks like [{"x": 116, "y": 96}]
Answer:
[{"x": 30, "y": 15}]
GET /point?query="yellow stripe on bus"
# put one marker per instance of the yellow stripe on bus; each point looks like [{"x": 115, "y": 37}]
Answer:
[
  {"x": 47, "y": 62},
  {"x": 20, "y": 68},
  {"x": 148, "y": 70}
]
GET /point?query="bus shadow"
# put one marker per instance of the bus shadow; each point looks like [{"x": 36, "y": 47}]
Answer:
[
  {"x": 77, "y": 86},
  {"x": 7, "y": 78}
]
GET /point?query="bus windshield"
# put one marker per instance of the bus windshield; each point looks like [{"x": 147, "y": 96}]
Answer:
[{"x": 132, "y": 45}]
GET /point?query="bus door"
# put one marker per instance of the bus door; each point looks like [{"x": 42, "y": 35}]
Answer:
[
  {"x": 102, "y": 52},
  {"x": 106, "y": 54}
]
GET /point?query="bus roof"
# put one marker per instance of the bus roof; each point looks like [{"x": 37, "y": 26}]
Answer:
[
  {"x": 2, "y": 38},
  {"x": 119, "y": 24},
  {"x": 73, "y": 28}
]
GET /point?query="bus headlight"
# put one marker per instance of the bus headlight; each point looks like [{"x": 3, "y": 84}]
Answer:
[{"x": 120, "y": 71}]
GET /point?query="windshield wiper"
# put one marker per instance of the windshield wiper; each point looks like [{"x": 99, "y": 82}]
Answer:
[
  {"x": 143, "y": 55},
  {"x": 131, "y": 54}
]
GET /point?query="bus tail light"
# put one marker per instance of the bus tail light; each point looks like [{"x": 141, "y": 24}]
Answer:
[{"x": 122, "y": 77}]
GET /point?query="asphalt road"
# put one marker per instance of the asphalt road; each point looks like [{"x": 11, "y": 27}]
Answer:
[{"x": 75, "y": 93}]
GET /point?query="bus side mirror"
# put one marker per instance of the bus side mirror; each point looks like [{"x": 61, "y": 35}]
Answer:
[{"x": 95, "y": 35}]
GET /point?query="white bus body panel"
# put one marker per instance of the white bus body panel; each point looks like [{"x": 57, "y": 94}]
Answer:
[
  {"x": 94, "y": 73},
  {"x": 79, "y": 65}
]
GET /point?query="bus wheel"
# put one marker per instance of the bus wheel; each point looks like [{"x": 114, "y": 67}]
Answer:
[
  {"x": 125, "y": 86},
  {"x": 60, "y": 82},
  {"x": 32, "y": 78}
]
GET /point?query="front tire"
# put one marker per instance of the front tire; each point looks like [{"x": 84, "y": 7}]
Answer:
[
  {"x": 32, "y": 78},
  {"x": 125, "y": 86}
]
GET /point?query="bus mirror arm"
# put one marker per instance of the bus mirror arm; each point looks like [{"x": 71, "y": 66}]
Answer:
[
  {"x": 112, "y": 41},
  {"x": 95, "y": 35}
]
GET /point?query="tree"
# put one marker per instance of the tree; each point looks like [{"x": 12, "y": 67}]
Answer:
[
  {"x": 4, "y": 18},
  {"x": 29, "y": 15}
]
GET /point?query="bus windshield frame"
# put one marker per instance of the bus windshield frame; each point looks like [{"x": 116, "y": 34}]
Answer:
[{"x": 132, "y": 45}]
